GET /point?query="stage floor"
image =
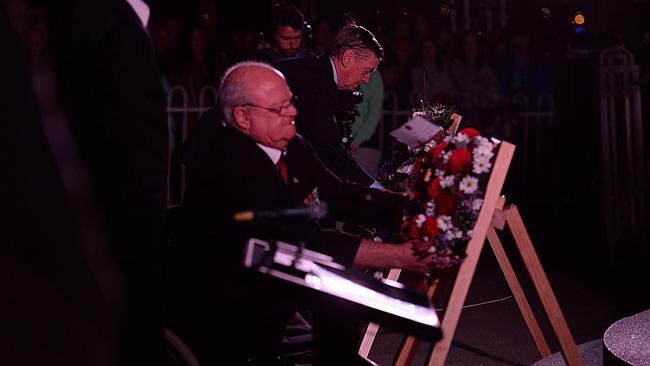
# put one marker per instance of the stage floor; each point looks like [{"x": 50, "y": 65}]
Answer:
[{"x": 495, "y": 333}]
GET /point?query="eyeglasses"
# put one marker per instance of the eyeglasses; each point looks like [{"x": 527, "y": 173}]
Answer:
[{"x": 280, "y": 111}]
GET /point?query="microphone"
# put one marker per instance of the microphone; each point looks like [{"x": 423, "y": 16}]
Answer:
[{"x": 315, "y": 211}]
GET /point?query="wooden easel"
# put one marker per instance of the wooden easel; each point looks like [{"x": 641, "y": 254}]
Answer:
[{"x": 492, "y": 216}]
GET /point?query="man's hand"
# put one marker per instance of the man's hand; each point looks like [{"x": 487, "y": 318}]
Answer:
[
  {"x": 410, "y": 262},
  {"x": 381, "y": 255}
]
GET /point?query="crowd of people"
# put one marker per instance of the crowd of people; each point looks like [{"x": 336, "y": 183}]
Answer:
[{"x": 478, "y": 72}]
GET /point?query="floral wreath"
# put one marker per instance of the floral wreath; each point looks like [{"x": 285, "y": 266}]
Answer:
[
  {"x": 445, "y": 178},
  {"x": 447, "y": 196}
]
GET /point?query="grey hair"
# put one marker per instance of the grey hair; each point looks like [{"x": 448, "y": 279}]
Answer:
[
  {"x": 356, "y": 38},
  {"x": 235, "y": 91}
]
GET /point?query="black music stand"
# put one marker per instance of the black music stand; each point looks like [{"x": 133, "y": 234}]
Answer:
[{"x": 380, "y": 301}]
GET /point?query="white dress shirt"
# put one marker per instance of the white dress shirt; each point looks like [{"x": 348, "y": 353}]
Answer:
[
  {"x": 336, "y": 77},
  {"x": 273, "y": 153},
  {"x": 141, "y": 10}
]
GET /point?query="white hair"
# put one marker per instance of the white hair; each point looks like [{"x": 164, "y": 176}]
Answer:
[{"x": 235, "y": 91}]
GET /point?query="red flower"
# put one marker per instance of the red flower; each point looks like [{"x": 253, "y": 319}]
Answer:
[
  {"x": 420, "y": 247},
  {"x": 413, "y": 230},
  {"x": 437, "y": 151},
  {"x": 416, "y": 194},
  {"x": 445, "y": 204},
  {"x": 417, "y": 167},
  {"x": 430, "y": 227},
  {"x": 434, "y": 187},
  {"x": 460, "y": 160},
  {"x": 470, "y": 132}
]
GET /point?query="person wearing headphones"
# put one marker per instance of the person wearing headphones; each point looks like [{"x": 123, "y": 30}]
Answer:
[{"x": 288, "y": 28}]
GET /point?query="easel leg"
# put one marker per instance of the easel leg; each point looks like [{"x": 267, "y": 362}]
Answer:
[
  {"x": 543, "y": 287},
  {"x": 368, "y": 339},
  {"x": 518, "y": 293},
  {"x": 456, "y": 302},
  {"x": 405, "y": 356},
  {"x": 373, "y": 328},
  {"x": 407, "y": 351}
]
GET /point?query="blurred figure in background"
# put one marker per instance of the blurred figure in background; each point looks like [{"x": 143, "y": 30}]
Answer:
[
  {"x": 395, "y": 71},
  {"x": 446, "y": 47},
  {"x": 61, "y": 290},
  {"x": 200, "y": 69},
  {"x": 322, "y": 37},
  {"x": 286, "y": 34},
  {"x": 165, "y": 34},
  {"x": 208, "y": 20},
  {"x": 113, "y": 96},
  {"x": 38, "y": 34},
  {"x": 431, "y": 81},
  {"x": 422, "y": 29},
  {"x": 477, "y": 85}
]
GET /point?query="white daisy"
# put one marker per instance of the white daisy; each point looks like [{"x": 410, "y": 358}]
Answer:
[
  {"x": 431, "y": 208},
  {"x": 477, "y": 204},
  {"x": 461, "y": 138},
  {"x": 483, "y": 152},
  {"x": 419, "y": 220},
  {"x": 468, "y": 185},
  {"x": 406, "y": 169},
  {"x": 444, "y": 222},
  {"x": 453, "y": 233},
  {"x": 459, "y": 233},
  {"x": 480, "y": 166},
  {"x": 447, "y": 181}
]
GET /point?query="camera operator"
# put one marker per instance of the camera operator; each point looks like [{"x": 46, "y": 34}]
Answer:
[{"x": 286, "y": 35}]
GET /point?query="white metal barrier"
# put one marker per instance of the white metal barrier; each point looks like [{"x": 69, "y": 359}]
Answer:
[
  {"x": 180, "y": 116},
  {"x": 625, "y": 182}
]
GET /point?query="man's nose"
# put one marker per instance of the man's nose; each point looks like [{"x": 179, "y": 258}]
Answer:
[
  {"x": 294, "y": 43},
  {"x": 292, "y": 111}
]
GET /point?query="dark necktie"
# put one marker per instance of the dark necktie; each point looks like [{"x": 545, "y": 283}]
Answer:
[{"x": 282, "y": 167}]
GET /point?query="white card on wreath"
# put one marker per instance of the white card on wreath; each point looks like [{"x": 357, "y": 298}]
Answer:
[{"x": 416, "y": 131}]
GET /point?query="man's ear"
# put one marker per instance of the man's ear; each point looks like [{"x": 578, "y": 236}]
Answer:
[
  {"x": 241, "y": 119},
  {"x": 346, "y": 58}
]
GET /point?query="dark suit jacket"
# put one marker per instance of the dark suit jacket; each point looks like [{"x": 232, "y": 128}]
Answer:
[
  {"x": 209, "y": 290},
  {"x": 114, "y": 99},
  {"x": 311, "y": 79},
  {"x": 58, "y": 295}
]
